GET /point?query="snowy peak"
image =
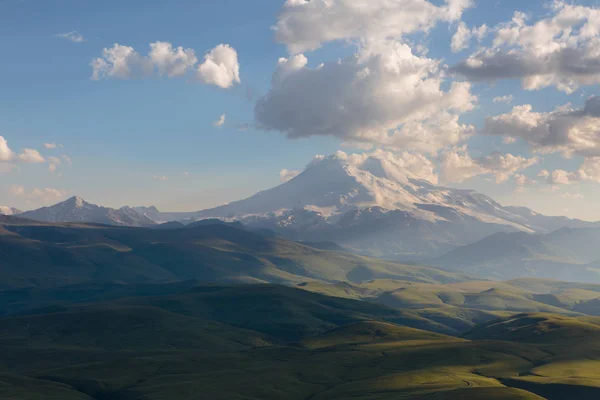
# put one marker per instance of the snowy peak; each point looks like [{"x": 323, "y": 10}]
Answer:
[
  {"x": 338, "y": 184},
  {"x": 76, "y": 209}
]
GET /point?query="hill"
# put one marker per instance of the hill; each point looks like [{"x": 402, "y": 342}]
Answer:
[
  {"x": 45, "y": 254},
  {"x": 566, "y": 254},
  {"x": 265, "y": 342}
]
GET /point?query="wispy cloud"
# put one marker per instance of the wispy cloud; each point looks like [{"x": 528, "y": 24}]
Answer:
[{"x": 72, "y": 36}]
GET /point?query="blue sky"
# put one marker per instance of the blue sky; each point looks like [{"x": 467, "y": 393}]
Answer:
[{"x": 123, "y": 134}]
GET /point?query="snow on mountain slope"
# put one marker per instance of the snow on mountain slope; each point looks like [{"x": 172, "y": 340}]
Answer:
[
  {"x": 380, "y": 206},
  {"x": 76, "y": 209},
  {"x": 335, "y": 185}
]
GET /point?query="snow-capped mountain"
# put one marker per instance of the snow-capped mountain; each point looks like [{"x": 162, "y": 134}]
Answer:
[
  {"x": 76, "y": 209},
  {"x": 377, "y": 205},
  {"x": 5, "y": 210}
]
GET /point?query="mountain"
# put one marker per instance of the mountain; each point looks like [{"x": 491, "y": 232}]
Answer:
[
  {"x": 38, "y": 254},
  {"x": 4, "y": 210},
  {"x": 76, "y": 209},
  {"x": 566, "y": 254},
  {"x": 374, "y": 206}
]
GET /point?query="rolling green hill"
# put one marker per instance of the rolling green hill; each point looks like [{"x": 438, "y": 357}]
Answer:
[
  {"x": 51, "y": 255},
  {"x": 271, "y": 342}
]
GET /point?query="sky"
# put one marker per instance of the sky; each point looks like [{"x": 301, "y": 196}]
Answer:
[{"x": 187, "y": 105}]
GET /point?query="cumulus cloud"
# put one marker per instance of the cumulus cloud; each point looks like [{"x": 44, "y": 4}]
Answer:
[
  {"x": 171, "y": 61},
  {"x": 221, "y": 121},
  {"x": 6, "y": 154},
  {"x": 462, "y": 38},
  {"x": 8, "y": 157},
  {"x": 31, "y": 156},
  {"x": 220, "y": 68},
  {"x": 383, "y": 95},
  {"x": 458, "y": 166},
  {"x": 286, "y": 175},
  {"x": 304, "y": 25},
  {"x": 588, "y": 171},
  {"x": 562, "y": 50},
  {"x": 160, "y": 178},
  {"x": 36, "y": 194},
  {"x": 72, "y": 36},
  {"x": 565, "y": 130}
]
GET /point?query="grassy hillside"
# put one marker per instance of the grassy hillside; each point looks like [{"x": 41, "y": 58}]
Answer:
[
  {"x": 47, "y": 255},
  {"x": 271, "y": 342}
]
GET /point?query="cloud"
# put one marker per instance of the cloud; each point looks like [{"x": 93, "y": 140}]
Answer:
[
  {"x": 171, "y": 62},
  {"x": 588, "y": 171},
  {"x": 522, "y": 180},
  {"x": 66, "y": 159},
  {"x": 31, "y": 156},
  {"x": 504, "y": 99},
  {"x": 305, "y": 25},
  {"x": 160, "y": 178},
  {"x": 383, "y": 95},
  {"x": 221, "y": 121},
  {"x": 562, "y": 50},
  {"x": 6, "y": 154},
  {"x": 462, "y": 37},
  {"x": 45, "y": 194},
  {"x": 73, "y": 36},
  {"x": 220, "y": 68},
  {"x": 53, "y": 163},
  {"x": 52, "y": 146},
  {"x": 565, "y": 130},
  {"x": 287, "y": 175},
  {"x": 458, "y": 166}
]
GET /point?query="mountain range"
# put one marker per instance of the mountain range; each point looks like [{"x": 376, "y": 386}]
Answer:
[
  {"x": 76, "y": 209},
  {"x": 370, "y": 205}
]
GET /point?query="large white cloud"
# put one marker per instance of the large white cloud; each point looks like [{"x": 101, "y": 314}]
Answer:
[
  {"x": 562, "y": 50},
  {"x": 6, "y": 154},
  {"x": 457, "y": 165},
  {"x": 220, "y": 67},
  {"x": 383, "y": 95},
  {"x": 172, "y": 62},
  {"x": 304, "y": 25},
  {"x": 566, "y": 130}
]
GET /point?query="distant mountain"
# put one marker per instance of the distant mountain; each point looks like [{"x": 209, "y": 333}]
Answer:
[
  {"x": 76, "y": 209},
  {"x": 4, "y": 210},
  {"x": 566, "y": 254},
  {"x": 369, "y": 205},
  {"x": 376, "y": 207}
]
